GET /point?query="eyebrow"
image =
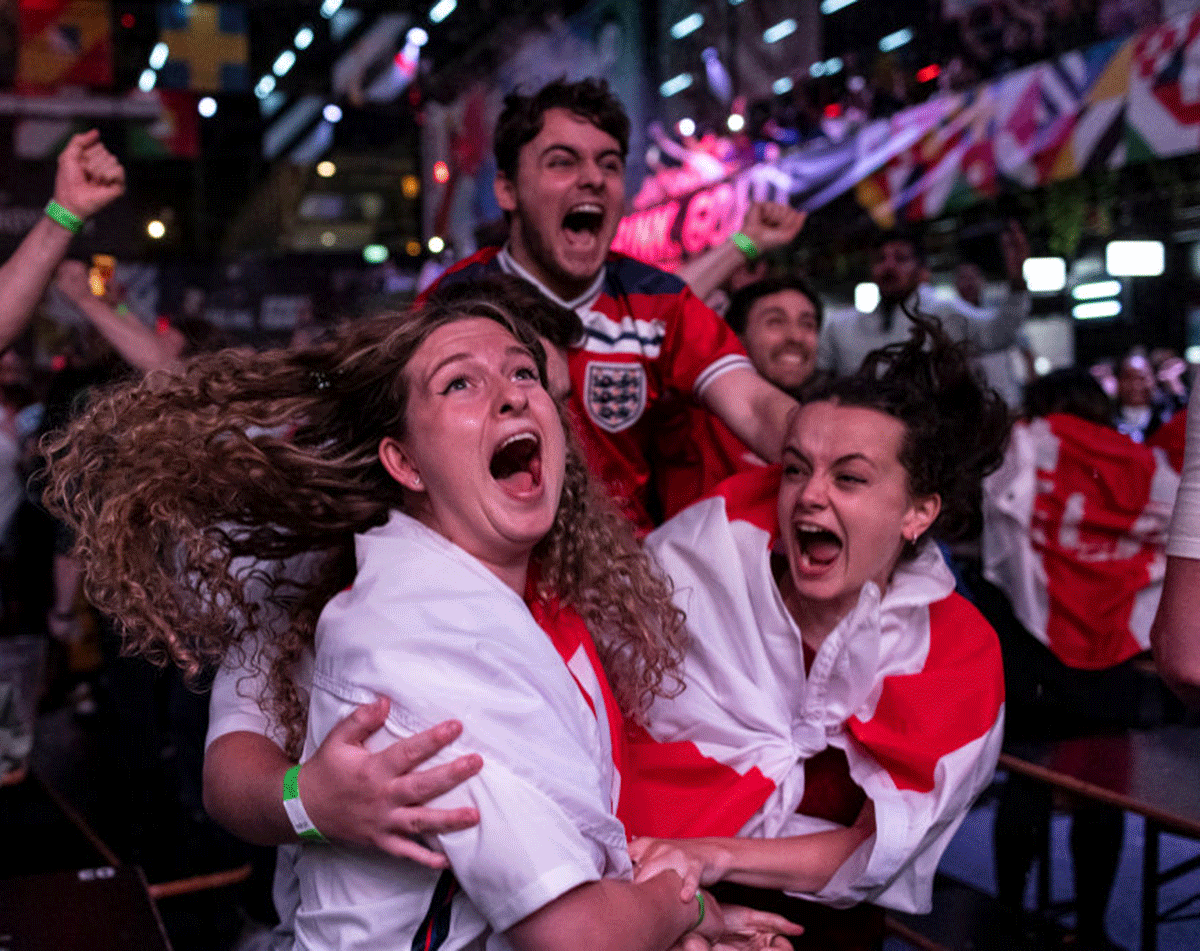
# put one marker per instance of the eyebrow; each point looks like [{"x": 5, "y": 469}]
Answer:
[
  {"x": 511, "y": 350},
  {"x": 841, "y": 460},
  {"x": 563, "y": 147}
]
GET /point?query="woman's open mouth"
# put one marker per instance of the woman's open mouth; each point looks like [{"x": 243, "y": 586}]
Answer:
[
  {"x": 517, "y": 464},
  {"x": 818, "y": 547}
]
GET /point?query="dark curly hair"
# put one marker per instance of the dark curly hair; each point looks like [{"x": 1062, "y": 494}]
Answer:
[
  {"x": 955, "y": 426},
  {"x": 523, "y": 116},
  {"x": 1071, "y": 390}
]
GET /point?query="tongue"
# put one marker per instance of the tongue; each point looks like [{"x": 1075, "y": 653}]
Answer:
[
  {"x": 821, "y": 549},
  {"x": 519, "y": 482}
]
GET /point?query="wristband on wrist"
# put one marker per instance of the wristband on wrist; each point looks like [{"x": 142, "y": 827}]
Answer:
[
  {"x": 295, "y": 808},
  {"x": 745, "y": 244},
  {"x": 69, "y": 220},
  {"x": 700, "y": 920}
]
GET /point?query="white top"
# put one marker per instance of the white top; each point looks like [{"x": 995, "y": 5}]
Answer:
[
  {"x": 431, "y": 627},
  {"x": 749, "y": 702},
  {"x": 1184, "y": 540},
  {"x": 847, "y": 336}
]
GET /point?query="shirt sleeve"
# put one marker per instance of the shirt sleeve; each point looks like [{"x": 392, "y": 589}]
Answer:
[
  {"x": 996, "y": 329},
  {"x": 1184, "y": 538},
  {"x": 698, "y": 346},
  {"x": 234, "y": 705}
]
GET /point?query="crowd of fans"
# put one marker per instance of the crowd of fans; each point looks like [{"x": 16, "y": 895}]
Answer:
[{"x": 756, "y": 731}]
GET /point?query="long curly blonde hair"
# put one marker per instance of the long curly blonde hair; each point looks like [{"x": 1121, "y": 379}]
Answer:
[{"x": 186, "y": 490}]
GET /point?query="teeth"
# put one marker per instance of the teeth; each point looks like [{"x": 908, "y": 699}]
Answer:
[
  {"x": 515, "y": 438},
  {"x": 811, "y": 529},
  {"x": 589, "y": 208}
]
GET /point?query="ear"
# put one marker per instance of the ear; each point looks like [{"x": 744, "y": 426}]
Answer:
[
  {"x": 506, "y": 192},
  {"x": 920, "y": 516},
  {"x": 399, "y": 466}
]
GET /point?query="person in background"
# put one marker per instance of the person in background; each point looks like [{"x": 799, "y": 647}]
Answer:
[
  {"x": 560, "y": 157},
  {"x": 88, "y": 179},
  {"x": 778, "y": 321},
  {"x": 1073, "y": 556},
  {"x": 1140, "y": 406},
  {"x": 898, "y": 270},
  {"x": 997, "y": 367}
]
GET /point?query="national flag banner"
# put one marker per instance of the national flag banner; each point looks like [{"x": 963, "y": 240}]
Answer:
[
  {"x": 174, "y": 134},
  {"x": 208, "y": 49},
  {"x": 64, "y": 43},
  {"x": 1164, "y": 90},
  {"x": 1074, "y": 533}
]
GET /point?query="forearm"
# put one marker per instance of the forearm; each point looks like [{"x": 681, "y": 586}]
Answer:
[
  {"x": 803, "y": 863},
  {"x": 243, "y": 787},
  {"x": 756, "y": 411},
  {"x": 610, "y": 915},
  {"x": 706, "y": 273},
  {"x": 137, "y": 344},
  {"x": 24, "y": 276},
  {"x": 1175, "y": 635},
  {"x": 999, "y": 330}
]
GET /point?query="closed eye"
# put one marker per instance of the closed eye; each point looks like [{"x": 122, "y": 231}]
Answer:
[{"x": 848, "y": 479}]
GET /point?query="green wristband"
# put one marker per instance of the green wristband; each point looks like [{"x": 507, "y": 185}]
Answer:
[
  {"x": 69, "y": 220},
  {"x": 700, "y": 901},
  {"x": 745, "y": 245},
  {"x": 295, "y": 808}
]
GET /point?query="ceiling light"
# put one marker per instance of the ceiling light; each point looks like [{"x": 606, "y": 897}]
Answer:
[
  {"x": 375, "y": 253},
  {"x": 332, "y": 113},
  {"x": 326, "y": 169},
  {"x": 689, "y": 24},
  {"x": 1096, "y": 289},
  {"x": 330, "y": 7},
  {"x": 441, "y": 10},
  {"x": 736, "y": 122},
  {"x": 1045, "y": 275},
  {"x": 283, "y": 62},
  {"x": 832, "y": 6},
  {"x": 147, "y": 80},
  {"x": 675, "y": 84},
  {"x": 1096, "y": 309},
  {"x": 328, "y": 238},
  {"x": 417, "y": 36},
  {"x": 304, "y": 38},
  {"x": 156, "y": 229},
  {"x": 895, "y": 40},
  {"x": 1134, "y": 258},
  {"x": 158, "y": 55},
  {"x": 207, "y": 107},
  {"x": 866, "y": 297},
  {"x": 773, "y": 34},
  {"x": 264, "y": 87},
  {"x": 436, "y": 245},
  {"x": 781, "y": 86},
  {"x": 686, "y": 127}
]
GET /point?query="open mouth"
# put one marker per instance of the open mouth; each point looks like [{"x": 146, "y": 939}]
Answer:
[
  {"x": 819, "y": 547},
  {"x": 585, "y": 219},
  {"x": 517, "y": 463}
]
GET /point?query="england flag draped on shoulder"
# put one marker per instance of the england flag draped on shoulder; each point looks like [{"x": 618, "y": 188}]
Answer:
[
  {"x": 1074, "y": 531},
  {"x": 909, "y": 685}
]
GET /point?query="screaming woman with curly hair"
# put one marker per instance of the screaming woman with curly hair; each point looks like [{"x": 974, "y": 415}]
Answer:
[{"x": 459, "y": 562}]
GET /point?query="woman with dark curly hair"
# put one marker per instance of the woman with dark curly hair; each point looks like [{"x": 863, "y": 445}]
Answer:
[
  {"x": 853, "y": 699},
  {"x": 420, "y": 460}
]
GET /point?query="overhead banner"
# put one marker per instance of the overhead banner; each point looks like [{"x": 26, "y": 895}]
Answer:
[
  {"x": 64, "y": 43},
  {"x": 1106, "y": 106}
]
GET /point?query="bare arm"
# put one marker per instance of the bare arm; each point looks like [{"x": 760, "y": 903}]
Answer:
[
  {"x": 138, "y": 344},
  {"x": 767, "y": 224},
  {"x": 88, "y": 178},
  {"x": 351, "y": 795},
  {"x": 803, "y": 863},
  {"x": 756, "y": 411},
  {"x": 612, "y": 915},
  {"x": 1175, "y": 635}
]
